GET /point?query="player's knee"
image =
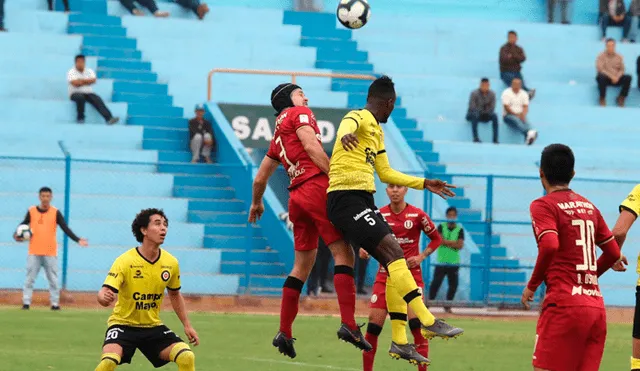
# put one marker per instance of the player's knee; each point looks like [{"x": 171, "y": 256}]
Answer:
[
  {"x": 374, "y": 329},
  {"x": 414, "y": 324},
  {"x": 182, "y": 355},
  {"x": 109, "y": 362}
]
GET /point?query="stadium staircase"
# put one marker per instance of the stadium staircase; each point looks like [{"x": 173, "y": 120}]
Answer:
[{"x": 337, "y": 51}]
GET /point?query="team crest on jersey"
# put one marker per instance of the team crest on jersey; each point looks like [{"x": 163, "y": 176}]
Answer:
[
  {"x": 165, "y": 275},
  {"x": 631, "y": 197},
  {"x": 408, "y": 224},
  {"x": 374, "y": 298}
]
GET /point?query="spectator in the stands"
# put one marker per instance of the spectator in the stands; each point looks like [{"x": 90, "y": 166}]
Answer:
[
  {"x": 564, "y": 5},
  {"x": 50, "y": 3},
  {"x": 308, "y": 6},
  {"x": 634, "y": 15},
  {"x": 80, "y": 79},
  {"x": 511, "y": 58},
  {"x": 610, "y": 67},
  {"x": 614, "y": 13},
  {"x": 2, "y": 16},
  {"x": 516, "y": 107},
  {"x": 200, "y": 9},
  {"x": 482, "y": 106},
  {"x": 201, "y": 136}
]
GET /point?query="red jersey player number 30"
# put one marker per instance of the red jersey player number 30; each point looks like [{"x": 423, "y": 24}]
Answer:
[{"x": 572, "y": 274}]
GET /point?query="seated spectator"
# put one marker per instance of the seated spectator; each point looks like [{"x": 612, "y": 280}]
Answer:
[
  {"x": 149, "y": 4},
  {"x": 564, "y": 5},
  {"x": 634, "y": 15},
  {"x": 307, "y": 6},
  {"x": 511, "y": 58},
  {"x": 201, "y": 136},
  {"x": 64, "y": 2},
  {"x": 613, "y": 13},
  {"x": 482, "y": 106},
  {"x": 610, "y": 66},
  {"x": 195, "y": 6},
  {"x": 516, "y": 107},
  {"x": 2, "y": 29},
  {"x": 80, "y": 80}
]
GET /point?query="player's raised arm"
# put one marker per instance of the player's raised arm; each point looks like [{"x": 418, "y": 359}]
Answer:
[
  {"x": 266, "y": 170},
  {"x": 313, "y": 147}
]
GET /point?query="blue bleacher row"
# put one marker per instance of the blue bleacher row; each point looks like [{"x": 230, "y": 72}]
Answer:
[{"x": 154, "y": 85}]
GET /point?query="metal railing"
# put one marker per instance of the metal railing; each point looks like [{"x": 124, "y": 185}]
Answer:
[{"x": 293, "y": 74}]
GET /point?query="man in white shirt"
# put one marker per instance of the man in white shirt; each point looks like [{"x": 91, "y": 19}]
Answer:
[
  {"x": 80, "y": 80},
  {"x": 516, "y": 106}
]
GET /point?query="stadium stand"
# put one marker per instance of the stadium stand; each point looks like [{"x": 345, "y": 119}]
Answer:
[{"x": 153, "y": 71}]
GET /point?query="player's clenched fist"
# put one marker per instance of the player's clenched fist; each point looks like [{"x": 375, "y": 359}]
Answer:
[{"x": 106, "y": 297}]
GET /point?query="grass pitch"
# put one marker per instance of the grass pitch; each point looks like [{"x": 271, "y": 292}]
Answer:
[{"x": 70, "y": 340}]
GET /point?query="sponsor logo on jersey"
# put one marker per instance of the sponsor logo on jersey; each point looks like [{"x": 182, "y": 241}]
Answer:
[
  {"x": 370, "y": 156},
  {"x": 412, "y": 215},
  {"x": 295, "y": 171},
  {"x": 404, "y": 241},
  {"x": 374, "y": 298},
  {"x": 304, "y": 119},
  {"x": 575, "y": 205},
  {"x": 361, "y": 214},
  {"x": 631, "y": 197},
  {"x": 165, "y": 275},
  {"x": 386, "y": 214},
  {"x": 146, "y": 301},
  {"x": 426, "y": 224},
  {"x": 579, "y": 290},
  {"x": 138, "y": 274},
  {"x": 408, "y": 224},
  {"x": 114, "y": 275},
  {"x": 136, "y": 266}
]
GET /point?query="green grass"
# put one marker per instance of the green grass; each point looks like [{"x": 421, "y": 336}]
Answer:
[{"x": 70, "y": 340}]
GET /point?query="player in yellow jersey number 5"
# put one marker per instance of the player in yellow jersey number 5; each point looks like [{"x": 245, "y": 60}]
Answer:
[
  {"x": 138, "y": 280},
  {"x": 359, "y": 152}
]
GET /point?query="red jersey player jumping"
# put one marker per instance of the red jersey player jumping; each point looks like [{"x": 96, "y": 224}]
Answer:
[
  {"x": 572, "y": 327},
  {"x": 407, "y": 223},
  {"x": 296, "y": 144}
]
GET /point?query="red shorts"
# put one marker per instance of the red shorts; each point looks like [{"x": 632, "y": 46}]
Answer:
[
  {"x": 308, "y": 213},
  {"x": 570, "y": 338},
  {"x": 379, "y": 298}
]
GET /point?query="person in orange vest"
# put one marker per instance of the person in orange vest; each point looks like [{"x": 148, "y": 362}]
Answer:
[{"x": 43, "y": 247}]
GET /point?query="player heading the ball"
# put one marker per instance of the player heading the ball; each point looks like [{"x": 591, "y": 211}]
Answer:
[
  {"x": 138, "y": 280},
  {"x": 572, "y": 327}
]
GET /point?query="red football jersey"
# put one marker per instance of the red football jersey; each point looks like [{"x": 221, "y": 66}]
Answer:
[
  {"x": 407, "y": 226},
  {"x": 572, "y": 278},
  {"x": 287, "y": 148}
]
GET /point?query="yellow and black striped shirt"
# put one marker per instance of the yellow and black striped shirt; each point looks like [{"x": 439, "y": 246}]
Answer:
[{"x": 353, "y": 170}]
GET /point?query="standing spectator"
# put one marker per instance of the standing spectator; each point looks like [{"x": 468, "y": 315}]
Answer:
[
  {"x": 201, "y": 136},
  {"x": 2, "y": 29},
  {"x": 564, "y": 5},
  {"x": 516, "y": 107},
  {"x": 634, "y": 15},
  {"x": 610, "y": 67},
  {"x": 511, "y": 58},
  {"x": 317, "y": 281},
  {"x": 80, "y": 80},
  {"x": 482, "y": 106},
  {"x": 51, "y": 4},
  {"x": 613, "y": 13},
  {"x": 448, "y": 256},
  {"x": 43, "y": 248}
]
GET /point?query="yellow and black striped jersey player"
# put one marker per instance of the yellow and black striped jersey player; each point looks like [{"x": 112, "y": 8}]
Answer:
[{"x": 358, "y": 152}]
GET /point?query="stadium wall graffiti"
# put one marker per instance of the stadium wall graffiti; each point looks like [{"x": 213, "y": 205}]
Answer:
[{"x": 253, "y": 125}]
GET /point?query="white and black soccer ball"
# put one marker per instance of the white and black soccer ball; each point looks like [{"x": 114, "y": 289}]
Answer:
[
  {"x": 24, "y": 231},
  {"x": 353, "y": 14}
]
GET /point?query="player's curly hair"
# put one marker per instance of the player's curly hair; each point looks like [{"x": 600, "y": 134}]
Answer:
[
  {"x": 557, "y": 162},
  {"x": 142, "y": 221},
  {"x": 382, "y": 88}
]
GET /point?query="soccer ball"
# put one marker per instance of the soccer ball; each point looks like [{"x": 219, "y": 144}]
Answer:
[
  {"x": 24, "y": 231},
  {"x": 353, "y": 14}
]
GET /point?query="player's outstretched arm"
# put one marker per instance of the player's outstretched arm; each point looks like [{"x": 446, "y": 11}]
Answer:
[
  {"x": 266, "y": 170},
  {"x": 177, "y": 302},
  {"x": 629, "y": 210},
  {"x": 390, "y": 176},
  {"x": 313, "y": 147}
]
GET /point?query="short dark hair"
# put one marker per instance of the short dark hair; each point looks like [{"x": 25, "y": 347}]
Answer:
[
  {"x": 610, "y": 39},
  {"x": 79, "y": 56},
  {"x": 512, "y": 32},
  {"x": 451, "y": 208},
  {"x": 382, "y": 88},
  {"x": 45, "y": 190},
  {"x": 484, "y": 79},
  {"x": 142, "y": 221},
  {"x": 557, "y": 163}
]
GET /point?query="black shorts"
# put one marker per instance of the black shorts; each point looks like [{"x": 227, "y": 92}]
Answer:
[
  {"x": 151, "y": 341},
  {"x": 356, "y": 216},
  {"x": 636, "y": 316}
]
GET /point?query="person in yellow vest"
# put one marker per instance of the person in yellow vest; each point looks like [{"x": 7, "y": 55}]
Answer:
[
  {"x": 448, "y": 263},
  {"x": 43, "y": 247}
]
